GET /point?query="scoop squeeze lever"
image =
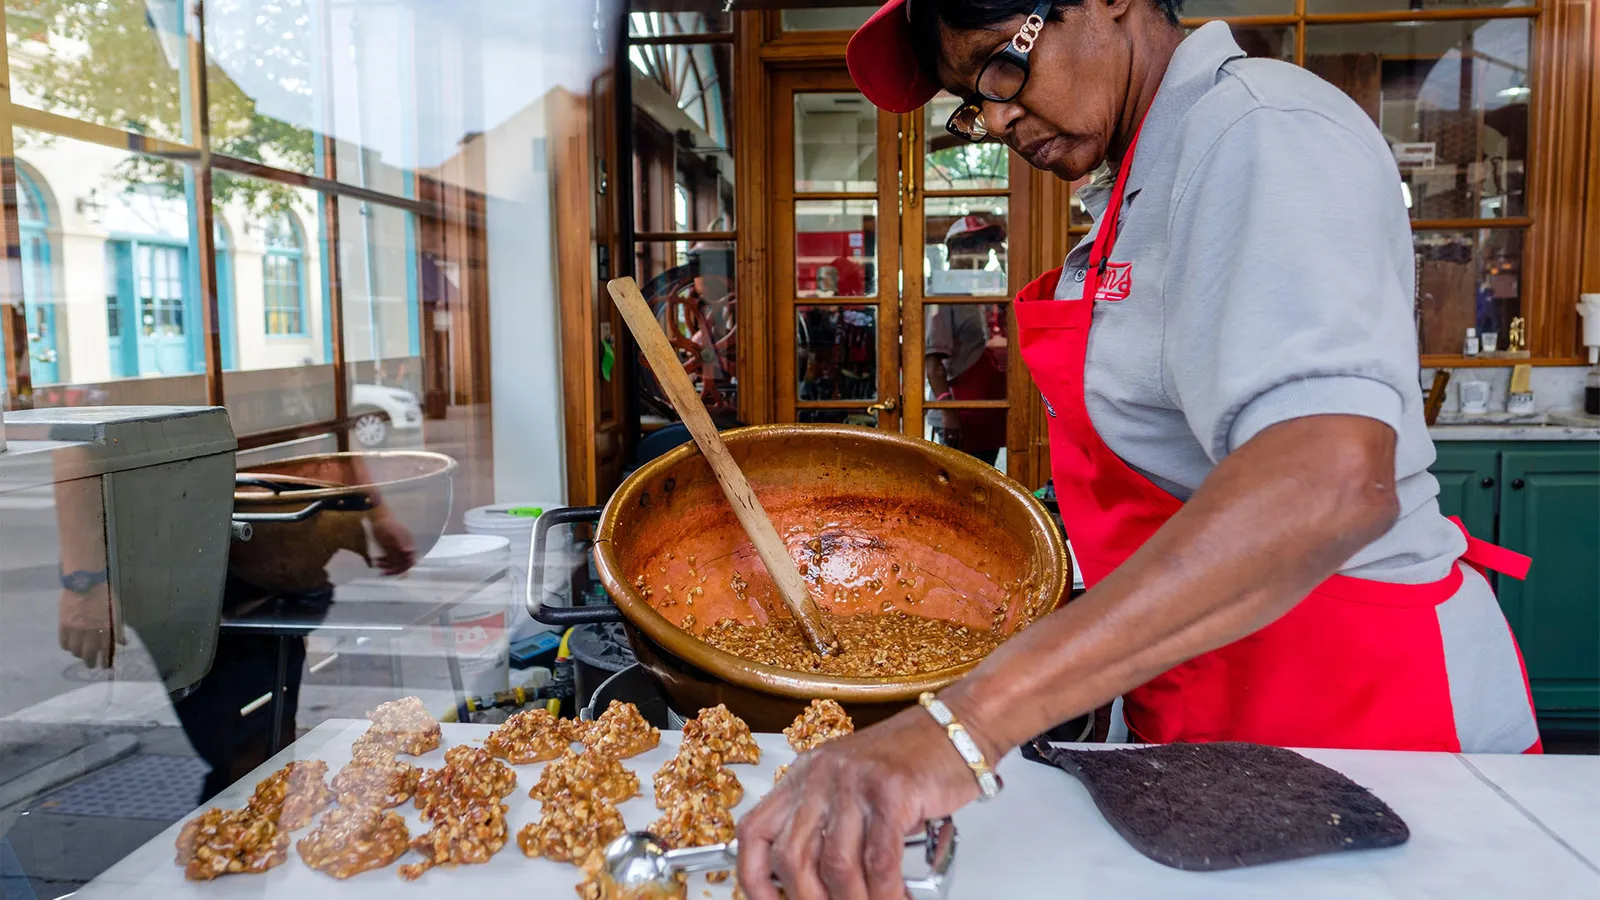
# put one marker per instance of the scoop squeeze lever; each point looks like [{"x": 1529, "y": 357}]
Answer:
[{"x": 638, "y": 860}]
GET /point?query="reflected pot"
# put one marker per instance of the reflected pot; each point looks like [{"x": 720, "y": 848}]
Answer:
[
  {"x": 302, "y": 511},
  {"x": 871, "y": 499}
]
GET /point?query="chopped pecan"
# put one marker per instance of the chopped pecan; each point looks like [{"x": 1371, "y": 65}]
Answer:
[
  {"x": 820, "y": 722},
  {"x": 697, "y": 769},
  {"x": 571, "y": 829},
  {"x": 403, "y": 726},
  {"x": 723, "y": 732},
  {"x": 531, "y": 736},
  {"x": 352, "y": 839},
  {"x": 467, "y": 835},
  {"x": 374, "y": 777},
  {"x": 590, "y": 774},
  {"x": 621, "y": 731},
  {"x": 291, "y": 796},
  {"x": 230, "y": 842}
]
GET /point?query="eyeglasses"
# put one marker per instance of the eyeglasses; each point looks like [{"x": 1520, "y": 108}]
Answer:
[{"x": 1002, "y": 78}]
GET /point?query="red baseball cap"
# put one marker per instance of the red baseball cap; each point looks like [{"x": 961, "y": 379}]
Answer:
[{"x": 883, "y": 61}]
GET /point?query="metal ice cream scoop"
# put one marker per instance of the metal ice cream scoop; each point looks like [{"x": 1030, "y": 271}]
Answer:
[{"x": 638, "y": 860}]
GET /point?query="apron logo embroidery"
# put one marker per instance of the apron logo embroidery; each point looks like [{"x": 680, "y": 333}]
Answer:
[{"x": 1117, "y": 282}]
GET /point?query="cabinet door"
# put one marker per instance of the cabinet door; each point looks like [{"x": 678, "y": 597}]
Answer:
[
  {"x": 1467, "y": 483},
  {"x": 1550, "y": 510}
]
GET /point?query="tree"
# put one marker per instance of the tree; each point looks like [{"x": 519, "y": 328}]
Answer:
[{"x": 105, "y": 64}]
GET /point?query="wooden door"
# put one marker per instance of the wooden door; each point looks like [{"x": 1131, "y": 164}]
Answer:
[
  {"x": 836, "y": 252},
  {"x": 890, "y": 271}
]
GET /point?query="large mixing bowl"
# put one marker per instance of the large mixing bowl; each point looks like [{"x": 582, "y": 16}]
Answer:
[
  {"x": 304, "y": 510},
  {"x": 853, "y": 503}
]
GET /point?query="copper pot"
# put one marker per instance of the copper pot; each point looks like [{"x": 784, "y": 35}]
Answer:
[
  {"x": 302, "y": 511},
  {"x": 874, "y": 499}
]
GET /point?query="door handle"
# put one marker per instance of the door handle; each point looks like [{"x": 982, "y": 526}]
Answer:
[
  {"x": 1517, "y": 484},
  {"x": 889, "y": 405},
  {"x": 1487, "y": 482}
]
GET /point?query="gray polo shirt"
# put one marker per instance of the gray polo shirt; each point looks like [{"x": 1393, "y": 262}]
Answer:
[{"x": 1271, "y": 279}]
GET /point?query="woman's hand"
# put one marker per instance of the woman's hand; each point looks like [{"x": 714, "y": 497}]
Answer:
[
  {"x": 86, "y": 626},
  {"x": 834, "y": 828}
]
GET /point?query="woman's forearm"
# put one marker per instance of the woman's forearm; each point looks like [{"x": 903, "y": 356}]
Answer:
[{"x": 1272, "y": 521}]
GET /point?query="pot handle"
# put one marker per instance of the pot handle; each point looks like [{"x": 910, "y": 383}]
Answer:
[
  {"x": 557, "y": 615},
  {"x": 297, "y": 516}
]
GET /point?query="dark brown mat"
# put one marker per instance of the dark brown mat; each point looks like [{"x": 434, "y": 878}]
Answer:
[{"x": 1206, "y": 807}]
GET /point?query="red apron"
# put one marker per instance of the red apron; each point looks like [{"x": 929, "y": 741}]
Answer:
[{"x": 1356, "y": 664}]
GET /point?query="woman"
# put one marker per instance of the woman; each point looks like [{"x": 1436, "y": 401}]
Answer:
[{"x": 1229, "y": 363}]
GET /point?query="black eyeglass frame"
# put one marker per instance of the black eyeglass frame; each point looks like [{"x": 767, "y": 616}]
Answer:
[{"x": 1015, "y": 52}]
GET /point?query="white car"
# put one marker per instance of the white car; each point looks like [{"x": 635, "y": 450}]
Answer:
[{"x": 376, "y": 409}]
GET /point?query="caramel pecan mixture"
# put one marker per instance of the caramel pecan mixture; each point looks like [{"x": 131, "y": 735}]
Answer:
[
  {"x": 352, "y": 839},
  {"x": 586, "y": 775},
  {"x": 820, "y": 722},
  {"x": 531, "y": 736},
  {"x": 620, "y": 731},
  {"x": 723, "y": 732},
  {"x": 597, "y": 884},
  {"x": 467, "y": 835},
  {"x": 374, "y": 777},
  {"x": 470, "y": 777},
  {"x": 402, "y": 726},
  {"x": 230, "y": 842},
  {"x": 571, "y": 829},
  {"x": 694, "y": 820},
  {"x": 291, "y": 796},
  {"x": 697, "y": 769},
  {"x": 875, "y": 644},
  {"x": 778, "y": 775}
]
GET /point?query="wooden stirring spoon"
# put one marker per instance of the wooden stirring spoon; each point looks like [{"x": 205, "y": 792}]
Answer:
[{"x": 681, "y": 394}]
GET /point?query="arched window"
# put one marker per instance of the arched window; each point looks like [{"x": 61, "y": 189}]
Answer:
[
  {"x": 282, "y": 281},
  {"x": 38, "y": 282}
]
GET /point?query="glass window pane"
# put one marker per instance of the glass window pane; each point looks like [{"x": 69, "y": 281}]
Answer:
[
  {"x": 836, "y": 352},
  {"x": 964, "y": 351},
  {"x": 965, "y": 240},
  {"x": 266, "y": 82},
  {"x": 1468, "y": 279},
  {"x": 691, "y": 289},
  {"x": 277, "y": 350},
  {"x": 648, "y": 24},
  {"x": 1265, "y": 42},
  {"x": 378, "y": 278},
  {"x": 1452, "y": 98},
  {"x": 113, "y": 62},
  {"x": 953, "y": 164},
  {"x": 682, "y": 137},
  {"x": 835, "y": 143},
  {"x": 976, "y": 432},
  {"x": 835, "y": 248},
  {"x": 827, "y": 18},
  {"x": 109, "y": 282}
]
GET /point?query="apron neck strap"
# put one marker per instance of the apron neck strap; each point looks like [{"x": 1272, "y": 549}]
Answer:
[{"x": 1106, "y": 237}]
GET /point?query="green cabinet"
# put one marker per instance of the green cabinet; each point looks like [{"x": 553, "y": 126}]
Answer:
[
  {"x": 1550, "y": 510},
  {"x": 1541, "y": 499},
  {"x": 1468, "y": 484}
]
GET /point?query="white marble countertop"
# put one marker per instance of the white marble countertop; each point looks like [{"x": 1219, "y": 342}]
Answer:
[
  {"x": 1481, "y": 827},
  {"x": 1502, "y": 426}
]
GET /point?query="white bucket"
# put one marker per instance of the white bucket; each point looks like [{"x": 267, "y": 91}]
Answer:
[
  {"x": 478, "y": 634},
  {"x": 515, "y": 522}
]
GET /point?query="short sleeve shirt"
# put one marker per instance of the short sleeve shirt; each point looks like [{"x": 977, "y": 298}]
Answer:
[{"x": 1271, "y": 278}]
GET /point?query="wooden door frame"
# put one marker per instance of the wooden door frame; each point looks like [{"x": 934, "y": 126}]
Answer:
[{"x": 779, "y": 207}]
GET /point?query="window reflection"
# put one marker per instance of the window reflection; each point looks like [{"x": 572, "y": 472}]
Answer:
[
  {"x": 836, "y": 352},
  {"x": 1451, "y": 97},
  {"x": 965, "y": 241},
  {"x": 964, "y": 358},
  {"x": 835, "y": 248}
]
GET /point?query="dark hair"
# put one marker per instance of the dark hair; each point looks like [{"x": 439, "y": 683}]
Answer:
[{"x": 970, "y": 15}]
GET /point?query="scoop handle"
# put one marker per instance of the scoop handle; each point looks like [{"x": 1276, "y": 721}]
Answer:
[{"x": 938, "y": 837}]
